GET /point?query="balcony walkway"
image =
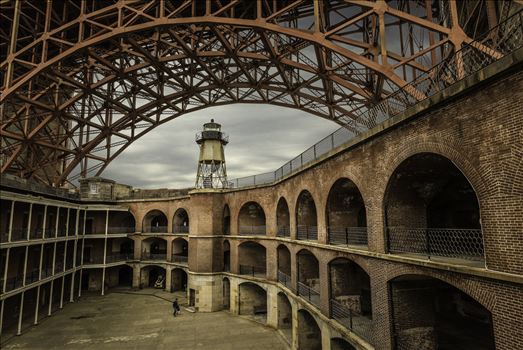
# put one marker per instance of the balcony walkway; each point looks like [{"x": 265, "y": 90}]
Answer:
[{"x": 137, "y": 321}]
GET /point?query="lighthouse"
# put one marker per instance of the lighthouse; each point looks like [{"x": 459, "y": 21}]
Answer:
[{"x": 211, "y": 163}]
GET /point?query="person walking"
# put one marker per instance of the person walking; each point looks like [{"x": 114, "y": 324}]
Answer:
[{"x": 176, "y": 307}]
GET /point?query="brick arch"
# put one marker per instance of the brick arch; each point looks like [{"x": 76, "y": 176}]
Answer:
[
  {"x": 153, "y": 265},
  {"x": 300, "y": 249},
  {"x": 345, "y": 173},
  {"x": 264, "y": 287},
  {"x": 478, "y": 183},
  {"x": 358, "y": 260},
  {"x": 471, "y": 288}
]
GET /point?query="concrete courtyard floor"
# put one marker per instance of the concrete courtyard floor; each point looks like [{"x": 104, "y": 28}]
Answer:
[{"x": 141, "y": 320}]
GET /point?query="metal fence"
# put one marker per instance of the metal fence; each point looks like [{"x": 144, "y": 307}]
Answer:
[
  {"x": 118, "y": 257},
  {"x": 283, "y": 231},
  {"x": 255, "y": 271},
  {"x": 180, "y": 229},
  {"x": 12, "y": 283},
  {"x": 32, "y": 276},
  {"x": 182, "y": 259},
  {"x": 347, "y": 235},
  {"x": 445, "y": 242},
  {"x": 120, "y": 229},
  {"x": 18, "y": 234},
  {"x": 359, "y": 324},
  {"x": 252, "y": 230},
  {"x": 285, "y": 279},
  {"x": 307, "y": 233},
  {"x": 500, "y": 41},
  {"x": 156, "y": 229},
  {"x": 308, "y": 293},
  {"x": 58, "y": 267},
  {"x": 154, "y": 256}
]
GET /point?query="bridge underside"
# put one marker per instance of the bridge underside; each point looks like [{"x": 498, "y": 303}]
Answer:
[{"x": 82, "y": 80}]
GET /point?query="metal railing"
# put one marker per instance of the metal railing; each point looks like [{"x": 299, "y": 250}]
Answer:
[
  {"x": 308, "y": 293},
  {"x": 251, "y": 230},
  {"x": 32, "y": 276},
  {"x": 444, "y": 242},
  {"x": 347, "y": 235},
  {"x": 154, "y": 256},
  {"x": 13, "y": 283},
  {"x": 119, "y": 257},
  {"x": 307, "y": 233},
  {"x": 254, "y": 271},
  {"x": 500, "y": 41},
  {"x": 359, "y": 324},
  {"x": 182, "y": 259},
  {"x": 156, "y": 229},
  {"x": 18, "y": 234},
  {"x": 180, "y": 229},
  {"x": 36, "y": 233},
  {"x": 94, "y": 259},
  {"x": 285, "y": 279},
  {"x": 58, "y": 267},
  {"x": 120, "y": 229},
  {"x": 47, "y": 271},
  {"x": 283, "y": 231}
]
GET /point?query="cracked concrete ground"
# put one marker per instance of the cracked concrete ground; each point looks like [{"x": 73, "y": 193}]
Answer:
[{"x": 135, "y": 320}]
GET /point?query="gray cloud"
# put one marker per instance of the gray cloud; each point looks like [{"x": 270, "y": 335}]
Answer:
[{"x": 262, "y": 138}]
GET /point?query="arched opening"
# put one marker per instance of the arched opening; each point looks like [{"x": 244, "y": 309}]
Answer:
[
  {"x": 226, "y": 220},
  {"x": 178, "y": 280},
  {"x": 350, "y": 299},
  {"x": 125, "y": 276},
  {"x": 285, "y": 316},
  {"x": 251, "y": 219},
  {"x": 306, "y": 218},
  {"x": 432, "y": 210},
  {"x": 283, "y": 218},
  {"x": 119, "y": 249},
  {"x": 431, "y": 314},
  {"x": 152, "y": 276},
  {"x": 284, "y": 265},
  {"x": 252, "y": 259},
  {"x": 154, "y": 249},
  {"x": 309, "y": 333},
  {"x": 180, "y": 253},
  {"x": 226, "y": 294},
  {"x": 308, "y": 277},
  {"x": 121, "y": 222},
  {"x": 226, "y": 256},
  {"x": 253, "y": 301},
  {"x": 155, "y": 221},
  {"x": 341, "y": 344},
  {"x": 346, "y": 215},
  {"x": 181, "y": 221}
]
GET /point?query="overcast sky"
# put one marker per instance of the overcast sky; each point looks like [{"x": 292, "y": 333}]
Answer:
[{"x": 261, "y": 139}]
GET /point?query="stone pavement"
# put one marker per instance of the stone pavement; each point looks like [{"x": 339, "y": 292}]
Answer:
[{"x": 139, "y": 320}]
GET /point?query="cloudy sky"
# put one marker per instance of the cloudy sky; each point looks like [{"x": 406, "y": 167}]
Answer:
[{"x": 262, "y": 138}]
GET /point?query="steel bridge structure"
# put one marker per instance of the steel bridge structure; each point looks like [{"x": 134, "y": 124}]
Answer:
[{"x": 83, "y": 79}]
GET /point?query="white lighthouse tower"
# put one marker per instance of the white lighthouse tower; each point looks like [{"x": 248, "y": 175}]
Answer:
[{"x": 211, "y": 164}]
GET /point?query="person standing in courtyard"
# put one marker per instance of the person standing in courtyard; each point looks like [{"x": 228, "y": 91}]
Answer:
[{"x": 176, "y": 307}]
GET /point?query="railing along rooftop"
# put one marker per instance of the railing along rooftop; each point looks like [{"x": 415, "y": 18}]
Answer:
[{"x": 495, "y": 44}]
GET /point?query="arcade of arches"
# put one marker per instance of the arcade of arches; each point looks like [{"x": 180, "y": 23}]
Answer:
[{"x": 395, "y": 243}]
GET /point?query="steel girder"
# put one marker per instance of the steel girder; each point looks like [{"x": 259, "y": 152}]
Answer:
[{"x": 83, "y": 79}]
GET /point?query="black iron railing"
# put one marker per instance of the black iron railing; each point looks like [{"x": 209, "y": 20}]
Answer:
[
  {"x": 118, "y": 257},
  {"x": 444, "y": 242},
  {"x": 283, "y": 231},
  {"x": 359, "y": 324},
  {"x": 154, "y": 256},
  {"x": 120, "y": 229},
  {"x": 307, "y": 233},
  {"x": 13, "y": 283},
  {"x": 180, "y": 229},
  {"x": 255, "y": 271},
  {"x": 308, "y": 293},
  {"x": 181, "y": 259},
  {"x": 246, "y": 230},
  {"x": 347, "y": 235},
  {"x": 284, "y": 279},
  {"x": 156, "y": 229}
]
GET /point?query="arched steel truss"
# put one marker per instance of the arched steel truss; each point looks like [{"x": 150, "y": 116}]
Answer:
[{"x": 83, "y": 79}]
